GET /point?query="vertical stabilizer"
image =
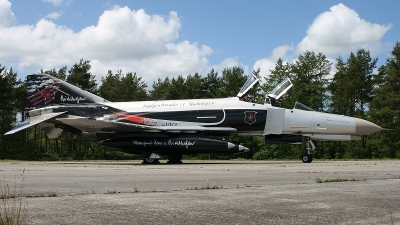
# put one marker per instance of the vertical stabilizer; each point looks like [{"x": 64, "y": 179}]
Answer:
[{"x": 44, "y": 90}]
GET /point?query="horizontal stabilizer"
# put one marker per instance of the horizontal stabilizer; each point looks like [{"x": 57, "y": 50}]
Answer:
[
  {"x": 91, "y": 125},
  {"x": 33, "y": 121}
]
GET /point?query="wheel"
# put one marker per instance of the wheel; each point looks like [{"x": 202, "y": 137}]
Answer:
[
  {"x": 307, "y": 158},
  {"x": 149, "y": 161},
  {"x": 174, "y": 159}
]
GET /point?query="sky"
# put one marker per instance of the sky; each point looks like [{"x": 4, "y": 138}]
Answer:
[{"x": 159, "y": 38}]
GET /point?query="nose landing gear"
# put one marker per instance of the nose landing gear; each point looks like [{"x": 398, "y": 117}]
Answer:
[{"x": 307, "y": 158}]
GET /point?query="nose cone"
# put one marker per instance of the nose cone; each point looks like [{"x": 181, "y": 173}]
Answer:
[{"x": 364, "y": 127}]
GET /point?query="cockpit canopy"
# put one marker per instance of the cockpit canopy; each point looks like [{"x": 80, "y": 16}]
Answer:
[
  {"x": 274, "y": 97},
  {"x": 280, "y": 90},
  {"x": 251, "y": 82}
]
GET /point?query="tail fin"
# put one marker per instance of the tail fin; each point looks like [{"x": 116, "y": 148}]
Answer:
[{"x": 44, "y": 90}]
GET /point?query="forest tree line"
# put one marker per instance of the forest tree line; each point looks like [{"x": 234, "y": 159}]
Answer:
[{"x": 355, "y": 89}]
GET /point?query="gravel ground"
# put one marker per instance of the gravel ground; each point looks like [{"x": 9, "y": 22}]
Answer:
[{"x": 207, "y": 192}]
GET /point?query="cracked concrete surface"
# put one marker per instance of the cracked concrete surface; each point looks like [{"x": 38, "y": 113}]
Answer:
[{"x": 208, "y": 192}]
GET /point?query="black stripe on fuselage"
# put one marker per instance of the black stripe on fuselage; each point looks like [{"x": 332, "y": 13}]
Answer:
[{"x": 235, "y": 118}]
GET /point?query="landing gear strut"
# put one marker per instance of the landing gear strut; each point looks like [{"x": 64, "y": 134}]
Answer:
[{"x": 307, "y": 158}]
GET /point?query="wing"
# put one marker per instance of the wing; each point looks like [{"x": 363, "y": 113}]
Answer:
[{"x": 33, "y": 121}]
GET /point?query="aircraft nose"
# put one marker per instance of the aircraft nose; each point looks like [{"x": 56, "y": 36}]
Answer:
[{"x": 364, "y": 127}]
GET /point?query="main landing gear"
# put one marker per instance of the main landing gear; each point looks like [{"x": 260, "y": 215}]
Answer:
[
  {"x": 150, "y": 158},
  {"x": 154, "y": 158},
  {"x": 307, "y": 158},
  {"x": 150, "y": 161}
]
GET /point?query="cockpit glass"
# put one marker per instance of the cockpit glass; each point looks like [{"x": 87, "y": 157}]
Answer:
[
  {"x": 281, "y": 87},
  {"x": 251, "y": 81}
]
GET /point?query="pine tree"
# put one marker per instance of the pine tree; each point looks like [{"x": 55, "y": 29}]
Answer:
[
  {"x": 279, "y": 74},
  {"x": 12, "y": 104},
  {"x": 385, "y": 107},
  {"x": 110, "y": 86},
  {"x": 61, "y": 73},
  {"x": 133, "y": 88},
  {"x": 193, "y": 86},
  {"x": 339, "y": 89},
  {"x": 160, "y": 89},
  {"x": 210, "y": 84},
  {"x": 232, "y": 80},
  {"x": 360, "y": 83},
  {"x": 177, "y": 89},
  {"x": 80, "y": 75},
  {"x": 309, "y": 75}
]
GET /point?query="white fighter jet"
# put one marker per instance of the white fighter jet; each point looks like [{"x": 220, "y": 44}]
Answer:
[{"x": 178, "y": 127}]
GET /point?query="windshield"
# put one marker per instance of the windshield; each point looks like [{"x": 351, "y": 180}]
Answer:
[{"x": 251, "y": 81}]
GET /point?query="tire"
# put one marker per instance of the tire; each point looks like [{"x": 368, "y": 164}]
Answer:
[
  {"x": 149, "y": 161},
  {"x": 307, "y": 158},
  {"x": 174, "y": 159}
]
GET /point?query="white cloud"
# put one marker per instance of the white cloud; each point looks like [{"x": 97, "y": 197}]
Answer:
[
  {"x": 54, "y": 2},
  {"x": 267, "y": 64},
  {"x": 122, "y": 39},
  {"x": 227, "y": 63},
  {"x": 54, "y": 15},
  {"x": 281, "y": 51},
  {"x": 7, "y": 17},
  {"x": 336, "y": 32},
  {"x": 340, "y": 31}
]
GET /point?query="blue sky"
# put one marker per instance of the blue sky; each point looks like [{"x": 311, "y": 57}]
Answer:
[{"x": 170, "y": 38}]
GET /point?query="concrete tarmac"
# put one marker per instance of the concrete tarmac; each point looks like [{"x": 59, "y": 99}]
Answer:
[{"x": 207, "y": 192}]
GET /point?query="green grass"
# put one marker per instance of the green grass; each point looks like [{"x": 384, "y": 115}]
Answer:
[
  {"x": 12, "y": 207},
  {"x": 320, "y": 180},
  {"x": 206, "y": 187},
  {"x": 52, "y": 194}
]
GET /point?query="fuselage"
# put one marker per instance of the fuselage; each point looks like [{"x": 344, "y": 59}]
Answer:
[{"x": 245, "y": 118}]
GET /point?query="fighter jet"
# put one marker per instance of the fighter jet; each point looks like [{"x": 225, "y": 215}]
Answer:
[{"x": 179, "y": 127}]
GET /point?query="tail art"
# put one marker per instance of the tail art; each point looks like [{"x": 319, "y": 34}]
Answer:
[{"x": 44, "y": 90}]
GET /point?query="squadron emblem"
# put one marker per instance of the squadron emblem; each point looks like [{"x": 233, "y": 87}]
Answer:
[{"x": 250, "y": 117}]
